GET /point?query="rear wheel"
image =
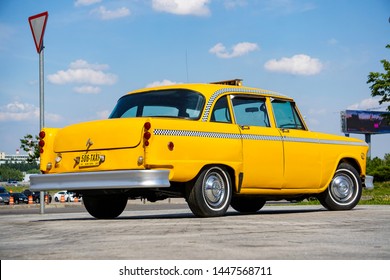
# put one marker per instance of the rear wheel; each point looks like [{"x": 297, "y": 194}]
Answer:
[
  {"x": 344, "y": 191},
  {"x": 247, "y": 204},
  {"x": 211, "y": 194},
  {"x": 105, "y": 206}
]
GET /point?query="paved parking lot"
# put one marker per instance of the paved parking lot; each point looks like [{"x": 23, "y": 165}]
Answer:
[{"x": 167, "y": 231}]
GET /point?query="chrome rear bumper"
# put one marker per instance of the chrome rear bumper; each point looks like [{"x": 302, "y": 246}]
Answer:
[
  {"x": 123, "y": 179},
  {"x": 369, "y": 182}
]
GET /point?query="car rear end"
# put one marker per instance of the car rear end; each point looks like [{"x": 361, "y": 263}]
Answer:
[{"x": 104, "y": 154}]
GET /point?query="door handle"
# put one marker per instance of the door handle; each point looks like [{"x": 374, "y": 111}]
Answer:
[{"x": 245, "y": 127}]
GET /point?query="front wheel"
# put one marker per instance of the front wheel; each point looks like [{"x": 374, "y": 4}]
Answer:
[
  {"x": 105, "y": 206},
  {"x": 211, "y": 194},
  {"x": 344, "y": 191}
]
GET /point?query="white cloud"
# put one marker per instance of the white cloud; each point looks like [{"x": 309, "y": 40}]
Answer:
[
  {"x": 299, "y": 64},
  {"x": 180, "y": 7},
  {"x": 239, "y": 49},
  {"x": 87, "y": 89},
  {"x": 82, "y": 72},
  {"x": 80, "y": 76},
  {"x": 161, "y": 83},
  {"x": 79, "y": 3},
  {"x": 111, "y": 14},
  {"x": 369, "y": 104},
  {"x": 82, "y": 64},
  {"x": 18, "y": 111}
]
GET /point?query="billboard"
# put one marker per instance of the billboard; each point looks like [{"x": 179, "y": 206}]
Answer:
[{"x": 365, "y": 122}]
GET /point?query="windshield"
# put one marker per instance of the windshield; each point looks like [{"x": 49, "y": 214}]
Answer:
[{"x": 177, "y": 103}]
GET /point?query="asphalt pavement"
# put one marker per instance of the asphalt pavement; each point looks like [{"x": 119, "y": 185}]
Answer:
[{"x": 169, "y": 231}]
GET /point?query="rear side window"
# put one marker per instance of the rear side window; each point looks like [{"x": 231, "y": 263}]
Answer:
[
  {"x": 173, "y": 103},
  {"x": 286, "y": 115},
  {"x": 250, "y": 111}
]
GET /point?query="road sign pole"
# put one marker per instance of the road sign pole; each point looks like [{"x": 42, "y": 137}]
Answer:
[
  {"x": 38, "y": 25},
  {"x": 41, "y": 113}
]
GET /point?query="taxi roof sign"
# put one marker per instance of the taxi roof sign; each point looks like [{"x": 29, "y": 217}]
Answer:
[
  {"x": 38, "y": 25},
  {"x": 234, "y": 82}
]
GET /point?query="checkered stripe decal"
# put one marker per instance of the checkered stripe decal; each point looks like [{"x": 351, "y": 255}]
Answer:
[
  {"x": 221, "y": 135},
  {"x": 191, "y": 133},
  {"x": 205, "y": 134},
  {"x": 261, "y": 137},
  {"x": 225, "y": 90}
]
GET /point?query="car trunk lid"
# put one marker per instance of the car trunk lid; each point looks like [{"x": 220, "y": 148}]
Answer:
[{"x": 99, "y": 135}]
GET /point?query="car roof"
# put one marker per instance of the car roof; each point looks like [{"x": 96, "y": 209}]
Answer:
[{"x": 208, "y": 90}]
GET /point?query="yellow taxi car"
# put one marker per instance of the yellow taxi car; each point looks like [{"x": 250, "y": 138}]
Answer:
[{"x": 217, "y": 145}]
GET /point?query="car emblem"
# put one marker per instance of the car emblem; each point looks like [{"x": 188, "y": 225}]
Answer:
[{"x": 89, "y": 143}]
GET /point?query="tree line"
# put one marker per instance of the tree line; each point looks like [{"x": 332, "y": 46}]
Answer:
[{"x": 10, "y": 171}]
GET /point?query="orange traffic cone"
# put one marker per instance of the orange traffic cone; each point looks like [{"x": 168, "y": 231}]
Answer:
[
  {"x": 30, "y": 199},
  {"x": 46, "y": 199},
  {"x": 11, "y": 200},
  {"x": 76, "y": 199},
  {"x": 62, "y": 199}
]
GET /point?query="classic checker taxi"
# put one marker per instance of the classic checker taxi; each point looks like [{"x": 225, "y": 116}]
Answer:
[{"x": 217, "y": 145}]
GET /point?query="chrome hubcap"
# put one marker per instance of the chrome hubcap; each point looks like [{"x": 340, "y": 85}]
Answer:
[
  {"x": 342, "y": 187},
  {"x": 214, "y": 189}
]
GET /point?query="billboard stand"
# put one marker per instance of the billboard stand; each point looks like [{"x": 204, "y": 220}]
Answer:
[
  {"x": 367, "y": 138},
  {"x": 365, "y": 122}
]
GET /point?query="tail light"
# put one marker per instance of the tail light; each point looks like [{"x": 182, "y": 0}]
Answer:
[
  {"x": 147, "y": 134},
  {"x": 41, "y": 142}
]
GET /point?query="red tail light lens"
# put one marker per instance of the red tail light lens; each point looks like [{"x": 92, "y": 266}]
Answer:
[
  {"x": 147, "y": 125},
  {"x": 41, "y": 142},
  {"x": 147, "y": 135}
]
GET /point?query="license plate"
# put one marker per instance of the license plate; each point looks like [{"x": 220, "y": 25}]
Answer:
[{"x": 88, "y": 160}]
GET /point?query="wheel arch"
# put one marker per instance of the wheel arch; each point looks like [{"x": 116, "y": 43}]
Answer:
[
  {"x": 353, "y": 162},
  {"x": 234, "y": 178},
  {"x": 229, "y": 169}
]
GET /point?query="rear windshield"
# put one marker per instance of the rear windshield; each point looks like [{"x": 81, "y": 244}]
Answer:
[{"x": 177, "y": 103}]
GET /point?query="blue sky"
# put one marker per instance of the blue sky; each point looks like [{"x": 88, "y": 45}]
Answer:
[{"x": 318, "y": 52}]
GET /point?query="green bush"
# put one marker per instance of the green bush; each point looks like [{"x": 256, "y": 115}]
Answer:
[
  {"x": 379, "y": 168},
  {"x": 7, "y": 173}
]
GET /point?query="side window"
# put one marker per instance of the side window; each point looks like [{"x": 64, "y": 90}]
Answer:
[
  {"x": 286, "y": 115},
  {"x": 221, "y": 112},
  {"x": 130, "y": 113},
  {"x": 250, "y": 111}
]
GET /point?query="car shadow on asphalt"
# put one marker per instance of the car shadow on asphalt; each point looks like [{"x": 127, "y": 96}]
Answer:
[{"x": 189, "y": 215}]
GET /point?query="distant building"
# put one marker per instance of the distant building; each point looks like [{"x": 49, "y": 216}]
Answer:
[{"x": 15, "y": 158}]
